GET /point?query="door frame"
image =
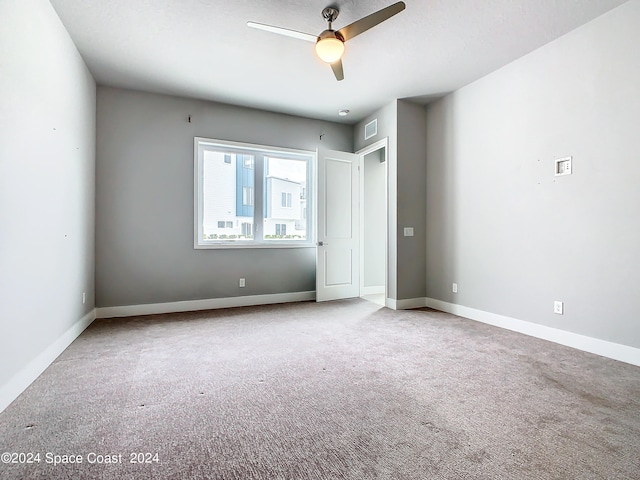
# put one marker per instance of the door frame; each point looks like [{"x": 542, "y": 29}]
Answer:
[{"x": 380, "y": 144}]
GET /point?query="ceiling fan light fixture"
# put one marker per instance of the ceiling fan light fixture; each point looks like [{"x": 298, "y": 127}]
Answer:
[
  {"x": 330, "y": 43},
  {"x": 330, "y": 49}
]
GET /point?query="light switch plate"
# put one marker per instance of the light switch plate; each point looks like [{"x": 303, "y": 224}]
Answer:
[{"x": 408, "y": 231}]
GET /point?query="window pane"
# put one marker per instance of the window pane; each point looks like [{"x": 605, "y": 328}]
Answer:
[
  {"x": 247, "y": 196},
  {"x": 285, "y": 200},
  {"x": 224, "y": 185},
  {"x": 247, "y": 161}
]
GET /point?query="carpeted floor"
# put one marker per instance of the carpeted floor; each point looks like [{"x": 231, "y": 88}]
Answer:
[{"x": 340, "y": 390}]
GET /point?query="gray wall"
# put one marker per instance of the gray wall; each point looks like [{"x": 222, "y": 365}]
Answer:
[
  {"x": 411, "y": 197},
  {"x": 374, "y": 219},
  {"x": 500, "y": 224},
  {"x": 387, "y": 127},
  {"x": 404, "y": 123},
  {"x": 47, "y": 162},
  {"x": 144, "y": 200}
]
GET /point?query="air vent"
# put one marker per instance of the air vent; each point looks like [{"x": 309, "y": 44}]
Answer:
[{"x": 371, "y": 129}]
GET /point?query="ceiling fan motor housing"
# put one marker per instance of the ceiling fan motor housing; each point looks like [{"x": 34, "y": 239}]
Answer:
[{"x": 330, "y": 34}]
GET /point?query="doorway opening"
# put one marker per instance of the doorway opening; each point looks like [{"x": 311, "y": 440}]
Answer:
[{"x": 374, "y": 222}]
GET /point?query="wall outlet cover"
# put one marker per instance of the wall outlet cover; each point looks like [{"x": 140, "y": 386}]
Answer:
[{"x": 558, "y": 307}]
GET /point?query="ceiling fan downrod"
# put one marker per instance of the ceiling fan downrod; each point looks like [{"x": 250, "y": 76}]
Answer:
[{"x": 330, "y": 14}]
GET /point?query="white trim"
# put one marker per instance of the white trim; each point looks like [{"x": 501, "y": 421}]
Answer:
[
  {"x": 206, "y": 304},
  {"x": 380, "y": 144},
  {"x": 214, "y": 142},
  {"x": 616, "y": 351},
  {"x": 27, "y": 375},
  {"x": 266, "y": 246},
  {"x": 409, "y": 303}
]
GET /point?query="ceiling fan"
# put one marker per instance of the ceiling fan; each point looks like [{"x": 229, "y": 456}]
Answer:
[{"x": 330, "y": 43}]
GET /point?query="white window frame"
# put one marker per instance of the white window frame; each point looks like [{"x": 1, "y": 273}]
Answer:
[{"x": 201, "y": 144}]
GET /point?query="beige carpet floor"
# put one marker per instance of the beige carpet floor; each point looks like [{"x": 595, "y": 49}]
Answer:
[{"x": 340, "y": 390}]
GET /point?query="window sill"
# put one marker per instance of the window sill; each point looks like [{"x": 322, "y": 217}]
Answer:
[{"x": 233, "y": 246}]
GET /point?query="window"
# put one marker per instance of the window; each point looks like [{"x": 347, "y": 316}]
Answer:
[
  {"x": 247, "y": 196},
  {"x": 252, "y": 195}
]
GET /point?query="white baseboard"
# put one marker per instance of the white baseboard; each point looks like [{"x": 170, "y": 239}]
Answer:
[
  {"x": 616, "y": 351},
  {"x": 372, "y": 290},
  {"x": 25, "y": 377},
  {"x": 206, "y": 304},
  {"x": 407, "y": 303}
]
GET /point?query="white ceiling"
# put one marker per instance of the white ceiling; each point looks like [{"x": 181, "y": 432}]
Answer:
[{"x": 203, "y": 48}]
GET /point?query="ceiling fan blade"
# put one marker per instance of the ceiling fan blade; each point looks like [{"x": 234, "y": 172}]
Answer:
[
  {"x": 337, "y": 70},
  {"x": 284, "y": 31},
  {"x": 364, "y": 24}
]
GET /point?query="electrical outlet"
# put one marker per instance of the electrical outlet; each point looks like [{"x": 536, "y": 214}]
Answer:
[
  {"x": 454, "y": 288},
  {"x": 241, "y": 283},
  {"x": 84, "y": 298},
  {"x": 558, "y": 307}
]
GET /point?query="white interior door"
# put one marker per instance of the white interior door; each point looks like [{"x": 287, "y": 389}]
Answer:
[{"x": 338, "y": 256}]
